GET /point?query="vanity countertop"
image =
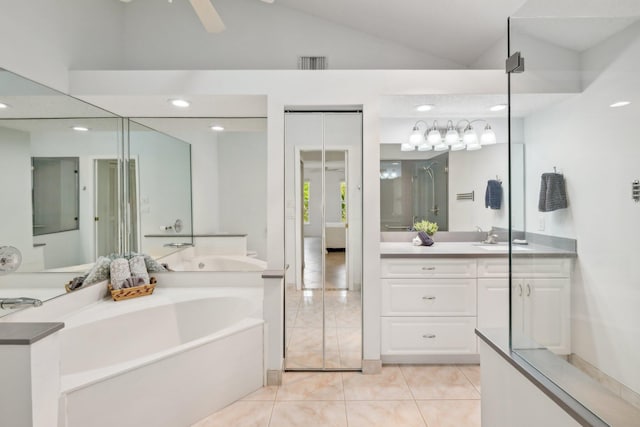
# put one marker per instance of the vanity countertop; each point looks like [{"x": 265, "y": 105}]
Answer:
[{"x": 467, "y": 249}]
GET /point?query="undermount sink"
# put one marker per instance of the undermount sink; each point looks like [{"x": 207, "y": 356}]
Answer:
[{"x": 503, "y": 248}]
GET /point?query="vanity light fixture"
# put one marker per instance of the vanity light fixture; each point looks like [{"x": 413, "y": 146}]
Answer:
[
  {"x": 498, "y": 107},
  {"x": 217, "y": 128},
  {"x": 620, "y": 104},
  {"x": 180, "y": 103},
  {"x": 3, "y": 105},
  {"x": 424, "y": 107},
  {"x": 432, "y": 137},
  {"x": 80, "y": 128}
]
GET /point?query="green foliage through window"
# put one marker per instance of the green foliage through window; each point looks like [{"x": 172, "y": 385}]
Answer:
[
  {"x": 343, "y": 201},
  {"x": 305, "y": 202}
]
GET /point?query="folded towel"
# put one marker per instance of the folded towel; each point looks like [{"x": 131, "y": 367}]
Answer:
[
  {"x": 138, "y": 268},
  {"x": 133, "y": 281},
  {"x": 119, "y": 272},
  {"x": 493, "y": 194},
  {"x": 553, "y": 195},
  {"x": 425, "y": 238}
]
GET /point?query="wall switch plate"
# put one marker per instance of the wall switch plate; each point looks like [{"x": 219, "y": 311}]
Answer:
[{"x": 541, "y": 223}]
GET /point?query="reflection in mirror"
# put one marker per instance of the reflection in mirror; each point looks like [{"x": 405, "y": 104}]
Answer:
[
  {"x": 49, "y": 145},
  {"x": 212, "y": 180},
  {"x": 412, "y": 191},
  {"x": 446, "y": 185}
]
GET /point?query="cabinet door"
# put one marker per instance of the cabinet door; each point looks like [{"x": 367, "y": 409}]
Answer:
[
  {"x": 546, "y": 313},
  {"x": 493, "y": 303}
]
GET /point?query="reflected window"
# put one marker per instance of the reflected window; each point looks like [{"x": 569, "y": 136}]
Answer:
[
  {"x": 343, "y": 201},
  {"x": 305, "y": 201},
  {"x": 55, "y": 194}
]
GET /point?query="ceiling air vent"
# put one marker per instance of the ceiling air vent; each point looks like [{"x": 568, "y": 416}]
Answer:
[{"x": 312, "y": 63}]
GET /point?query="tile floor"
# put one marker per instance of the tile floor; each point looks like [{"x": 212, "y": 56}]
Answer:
[{"x": 403, "y": 396}]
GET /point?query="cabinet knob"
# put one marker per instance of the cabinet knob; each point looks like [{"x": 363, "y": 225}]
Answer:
[
  {"x": 429, "y": 298},
  {"x": 430, "y": 336},
  {"x": 429, "y": 268}
]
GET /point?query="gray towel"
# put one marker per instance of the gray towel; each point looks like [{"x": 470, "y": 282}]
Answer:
[
  {"x": 138, "y": 268},
  {"x": 552, "y": 193},
  {"x": 119, "y": 272},
  {"x": 493, "y": 194}
]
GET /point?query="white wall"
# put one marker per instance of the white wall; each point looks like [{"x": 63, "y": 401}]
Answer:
[
  {"x": 242, "y": 192},
  {"x": 164, "y": 165},
  {"x": 596, "y": 149},
  {"x": 43, "y": 39},
  {"x": 470, "y": 171},
  {"x": 204, "y": 182},
  {"x": 15, "y": 193},
  {"x": 258, "y": 36}
]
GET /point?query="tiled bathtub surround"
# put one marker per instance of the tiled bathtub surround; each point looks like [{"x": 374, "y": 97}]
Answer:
[{"x": 403, "y": 396}]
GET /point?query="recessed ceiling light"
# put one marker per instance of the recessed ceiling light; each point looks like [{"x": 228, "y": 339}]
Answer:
[
  {"x": 424, "y": 107},
  {"x": 3, "y": 105},
  {"x": 80, "y": 128},
  {"x": 217, "y": 128},
  {"x": 498, "y": 107},
  {"x": 181, "y": 103},
  {"x": 619, "y": 104}
]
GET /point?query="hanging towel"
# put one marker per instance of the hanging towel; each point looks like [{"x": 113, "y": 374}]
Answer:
[
  {"x": 493, "y": 194},
  {"x": 553, "y": 195}
]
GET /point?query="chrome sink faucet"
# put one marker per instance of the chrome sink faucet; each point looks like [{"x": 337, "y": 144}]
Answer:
[
  {"x": 492, "y": 238},
  {"x": 8, "y": 303}
]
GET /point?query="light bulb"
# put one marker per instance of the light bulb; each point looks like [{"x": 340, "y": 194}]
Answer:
[
  {"x": 434, "y": 137},
  {"x": 3, "y": 105},
  {"x": 457, "y": 147},
  {"x": 80, "y": 128},
  {"x": 424, "y": 107},
  {"x": 488, "y": 137},
  {"x": 498, "y": 107},
  {"x": 473, "y": 147},
  {"x": 469, "y": 137},
  {"x": 405, "y": 146},
  {"x": 416, "y": 137},
  {"x": 452, "y": 136},
  {"x": 441, "y": 147},
  {"x": 217, "y": 128}
]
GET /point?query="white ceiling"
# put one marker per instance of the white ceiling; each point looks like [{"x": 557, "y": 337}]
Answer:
[
  {"x": 458, "y": 30},
  {"x": 465, "y": 105}
]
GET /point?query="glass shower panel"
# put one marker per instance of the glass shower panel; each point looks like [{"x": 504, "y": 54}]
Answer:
[{"x": 574, "y": 292}]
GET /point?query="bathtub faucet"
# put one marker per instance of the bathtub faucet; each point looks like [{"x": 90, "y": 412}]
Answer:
[
  {"x": 6, "y": 303},
  {"x": 177, "y": 245}
]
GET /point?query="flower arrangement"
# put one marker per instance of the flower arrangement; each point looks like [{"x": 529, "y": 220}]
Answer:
[{"x": 428, "y": 227}]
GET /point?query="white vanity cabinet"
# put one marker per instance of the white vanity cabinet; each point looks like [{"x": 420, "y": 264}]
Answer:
[
  {"x": 540, "y": 300},
  {"x": 428, "y": 308}
]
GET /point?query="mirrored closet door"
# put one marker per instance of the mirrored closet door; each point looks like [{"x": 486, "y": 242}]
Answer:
[{"x": 323, "y": 324}]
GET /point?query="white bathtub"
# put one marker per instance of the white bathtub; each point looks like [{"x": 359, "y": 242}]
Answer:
[{"x": 168, "y": 359}]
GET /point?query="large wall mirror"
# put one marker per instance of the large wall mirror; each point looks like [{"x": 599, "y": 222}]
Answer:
[{"x": 424, "y": 176}]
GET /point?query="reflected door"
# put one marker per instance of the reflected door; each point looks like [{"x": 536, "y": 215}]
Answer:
[
  {"x": 323, "y": 299},
  {"x": 106, "y": 207}
]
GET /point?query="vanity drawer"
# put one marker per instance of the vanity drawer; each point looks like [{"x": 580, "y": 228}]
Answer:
[
  {"x": 430, "y": 297},
  {"x": 525, "y": 267},
  {"x": 426, "y": 267},
  {"x": 428, "y": 335}
]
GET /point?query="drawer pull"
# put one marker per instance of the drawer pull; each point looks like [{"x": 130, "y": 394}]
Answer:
[
  {"x": 429, "y": 298},
  {"x": 429, "y": 268},
  {"x": 430, "y": 336}
]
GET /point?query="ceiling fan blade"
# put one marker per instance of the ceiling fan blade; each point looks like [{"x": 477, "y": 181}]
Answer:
[{"x": 208, "y": 15}]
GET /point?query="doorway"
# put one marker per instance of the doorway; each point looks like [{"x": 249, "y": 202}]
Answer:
[
  {"x": 323, "y": 324},
  {"x": 107, "y": 212}
]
